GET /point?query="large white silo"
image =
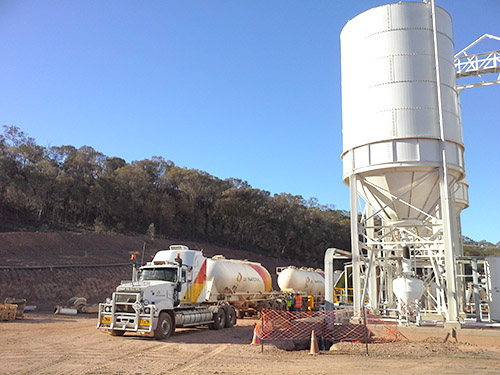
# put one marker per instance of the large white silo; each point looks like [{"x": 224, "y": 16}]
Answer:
[
  {"x": 390, "y": 115},
  {"x": 403, "y": 151}
]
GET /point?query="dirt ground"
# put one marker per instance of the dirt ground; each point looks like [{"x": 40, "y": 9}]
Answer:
[{"x": 57, "y": 344}]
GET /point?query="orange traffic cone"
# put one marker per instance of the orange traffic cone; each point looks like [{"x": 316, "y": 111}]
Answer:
[
  {"x": 314, "y": 344},
  {"x": 255, "y": 339}
]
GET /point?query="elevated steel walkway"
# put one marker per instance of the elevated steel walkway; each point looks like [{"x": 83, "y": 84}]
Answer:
[{"x": 477, "y": 65}]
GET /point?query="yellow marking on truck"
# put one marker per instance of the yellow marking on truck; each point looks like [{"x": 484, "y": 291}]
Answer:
[
  {"x": 106, "y": 320},
  {"x": 144, "y": 322},
  {"x": 194, "y": 291}
]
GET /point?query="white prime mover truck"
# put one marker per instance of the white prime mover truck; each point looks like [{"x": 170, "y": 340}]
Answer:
[{"x": 180, "y": 287}]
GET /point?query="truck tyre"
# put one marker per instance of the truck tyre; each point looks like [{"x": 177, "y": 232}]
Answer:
[
  {"x": 275, "y": 305},
  {"x": 219, "y": 320},
  {"x": 164, "y": 327},
  {"x": 284, "y": 306},
  {"x": 117, "y": 332},
  {"x": 279, "y": 304},
  {"x": 230, "y": 317},
  {"x": 262, "y": 306}
]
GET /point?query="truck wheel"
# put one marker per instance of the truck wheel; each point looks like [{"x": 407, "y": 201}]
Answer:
[
  {"x": 261, "y": 306},
  {"x": 230, "y": 317},
  {"x": 219, "y": 320},
  {"x": 280, "y": 305},
  {"x": 164, "y": 327},
  {"x": 117, "y": 332}
]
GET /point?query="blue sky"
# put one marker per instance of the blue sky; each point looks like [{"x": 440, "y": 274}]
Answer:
[{"x": 244, "y": 89}]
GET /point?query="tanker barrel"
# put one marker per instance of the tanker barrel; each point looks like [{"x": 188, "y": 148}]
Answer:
[{"x": 238, "y": 276}]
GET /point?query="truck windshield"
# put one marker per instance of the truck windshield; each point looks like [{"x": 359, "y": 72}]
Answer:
[{"x": 165, "y": 274}]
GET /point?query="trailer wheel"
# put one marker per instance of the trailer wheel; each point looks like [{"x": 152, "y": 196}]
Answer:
[
  {"x": 117, "y": 332},
  {"x": 219, "y": 320},
  {"x": 279, "y": 305},
  {"x": 230, "y": 317},
  {"x": 275, "y": 305},
  {"x": 164, "y": 327},
  {"x": 262, "y": 306}
]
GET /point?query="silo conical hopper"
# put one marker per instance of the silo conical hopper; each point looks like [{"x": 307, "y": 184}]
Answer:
[{"x": 391, "y": 131}]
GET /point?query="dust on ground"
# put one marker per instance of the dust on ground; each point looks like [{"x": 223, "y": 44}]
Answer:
[{"x": 56, "y": 344}]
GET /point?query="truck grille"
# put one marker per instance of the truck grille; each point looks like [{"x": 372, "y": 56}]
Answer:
[{"x": 124, "y": 301}]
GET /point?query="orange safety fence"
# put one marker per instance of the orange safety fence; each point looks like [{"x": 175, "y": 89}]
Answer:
[{"x": 335, "y": 325}]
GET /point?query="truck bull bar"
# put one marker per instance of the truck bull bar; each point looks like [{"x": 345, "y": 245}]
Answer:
[{"x": 126, "y": 312}]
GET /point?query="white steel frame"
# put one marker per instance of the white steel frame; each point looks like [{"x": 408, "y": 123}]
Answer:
[
  {"x": 477, "y": 65},
  {"x": 377, "y": 249}
]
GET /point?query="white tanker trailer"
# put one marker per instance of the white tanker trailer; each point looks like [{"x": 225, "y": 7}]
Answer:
[
  {"x": 302, "y": 280},
  {"x": 182, "y": 288},
  {"x": 244, "y": 285}
]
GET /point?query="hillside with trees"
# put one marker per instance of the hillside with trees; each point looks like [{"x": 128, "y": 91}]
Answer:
[{"x": 68, "y": 188}]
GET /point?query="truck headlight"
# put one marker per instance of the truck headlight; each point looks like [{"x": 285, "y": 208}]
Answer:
[
  {"x": 107, "y": 309},
  {"x": 147, "y": 310}
]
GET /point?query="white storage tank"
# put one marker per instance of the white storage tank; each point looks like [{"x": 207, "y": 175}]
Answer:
[
  {"x": 302, "y": 280},
  {"x": 391, "y": 132},
  {"x": 237, "y": 276},
  {"x": 408, "y": 289}
]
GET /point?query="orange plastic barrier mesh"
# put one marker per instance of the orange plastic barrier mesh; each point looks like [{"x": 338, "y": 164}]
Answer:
[{"x": 333, "y": 325}]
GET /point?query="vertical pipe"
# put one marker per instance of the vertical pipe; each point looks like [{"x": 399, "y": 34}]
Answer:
[
  {"x": 475, "y": 284},
  {"x": 356, "y": 280},
  {"x": 372, "y": 276},
  {"x": 452, "y": 308},
  {"x": 329, "y": 297},
  {"x": 367, "y": 276}
]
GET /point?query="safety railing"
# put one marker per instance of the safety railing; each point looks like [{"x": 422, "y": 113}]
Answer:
[
  {"x": 474, "y": 65},
  {"x": 341, "y": 295}
]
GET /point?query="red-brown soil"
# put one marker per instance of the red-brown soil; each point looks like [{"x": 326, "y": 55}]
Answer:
[{"x": 48, "y": 287}]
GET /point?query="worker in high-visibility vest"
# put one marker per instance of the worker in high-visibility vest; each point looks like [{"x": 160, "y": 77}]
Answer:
[
  {"x": 298, "y": 303},
  {"x": 289, "y": 302}
]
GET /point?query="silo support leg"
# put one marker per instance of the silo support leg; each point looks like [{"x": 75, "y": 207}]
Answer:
[{"x": 356, "y": 279}]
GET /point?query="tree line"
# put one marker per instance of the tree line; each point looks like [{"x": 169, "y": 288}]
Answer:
[{"x": 64, "y": 185}]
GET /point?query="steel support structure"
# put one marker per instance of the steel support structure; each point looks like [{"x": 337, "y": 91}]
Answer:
[
  {"x": 477, "y": 65},
  {"x": 377, "y": 245},
  {"x": 434, "y": 239},
  {"x": 356, "y": 261}
]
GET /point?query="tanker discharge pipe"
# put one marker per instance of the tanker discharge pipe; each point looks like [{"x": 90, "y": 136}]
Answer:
[{"x": 330, "y": 255}]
